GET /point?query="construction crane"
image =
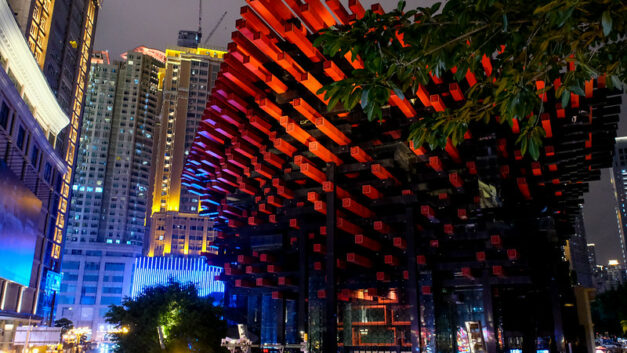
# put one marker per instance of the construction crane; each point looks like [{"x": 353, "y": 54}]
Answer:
[
  {"x": 204, "y": 43},
  {"x": 200, "y": 16}
]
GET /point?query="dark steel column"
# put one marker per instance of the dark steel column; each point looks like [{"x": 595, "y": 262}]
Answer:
[
  {"x": 303, "y": 280},
  {"x": 489, "y": 313},
  {"x": 558, "y": 327},
  {"x": 412, "y": 283},
  {"x": 330, "y": 337}
]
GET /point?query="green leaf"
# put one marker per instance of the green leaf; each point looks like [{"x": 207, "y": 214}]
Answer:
[
  {"x": 399, "y": 93},
  {"x": 364, "y": 98},
  {"x": 565, "y": 16},
  {"x": 505, "y": 22},
  {"x": 606, "y": 21},
  {"x": 523, "y": 144},
  {"x": 577, "y": 90},
  {"x": 534, "y": 148},
  {"x": 435, "y": 7},
  {"x": 565, "y": 98},
  {"x": 401, "y": 5},
  {"x": 616, "y": 82}
]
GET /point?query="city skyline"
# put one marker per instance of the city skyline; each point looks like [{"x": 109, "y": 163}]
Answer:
[{"x": 403, "y": 219}]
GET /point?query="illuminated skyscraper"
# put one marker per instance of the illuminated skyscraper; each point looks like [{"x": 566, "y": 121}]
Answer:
[
  {"x": 88, "y": 185},
  {"x": 130, "y": 154},
  {"x": 109, "y": 211},
  {"x": 619, "y": 182},
  {"x": 31, "y": 176},
  {"x": 176, "y": 227},
  {"x": 111, "y": 189},
  {"x": 60, "y": 35}
]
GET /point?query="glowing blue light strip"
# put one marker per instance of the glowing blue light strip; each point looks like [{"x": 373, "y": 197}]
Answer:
[{"x": 152, "y": 271}]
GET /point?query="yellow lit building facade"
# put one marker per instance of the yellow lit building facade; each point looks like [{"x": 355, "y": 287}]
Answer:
[{"x": 176, "y": 228}]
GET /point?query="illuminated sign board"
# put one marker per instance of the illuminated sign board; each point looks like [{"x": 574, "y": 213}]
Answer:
[{"x": 20, "y": 211}]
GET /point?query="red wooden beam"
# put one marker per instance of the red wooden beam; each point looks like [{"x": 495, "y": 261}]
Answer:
[
  {"x": 358, "y": 260},
  {"x": 366, "y": 242},
  {"x": 356, "y": 208},
  {"x": 370, "y": 192}
]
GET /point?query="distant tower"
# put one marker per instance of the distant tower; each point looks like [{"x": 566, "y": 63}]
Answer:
[
  {"x": 176, "y": 227},
  {"x": 619, "y": 182},
  {"x": 112, "y": 187},
  {"x": 578, "y": 251},
  {"x": 592, "y": 255}
]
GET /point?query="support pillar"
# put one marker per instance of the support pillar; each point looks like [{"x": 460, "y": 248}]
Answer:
[
  {"x": 412, "y": 283},
  {"x": 558, "y": 328},
  {"x": 303, "y": 281},
  {"x": 488, "y": 310},
  {"x": 330, "y": 336}
]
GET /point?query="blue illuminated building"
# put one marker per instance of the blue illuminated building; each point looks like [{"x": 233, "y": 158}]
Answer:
[
  {"x": 152, "y": 271},
  {"x": 31, "y": 177}
]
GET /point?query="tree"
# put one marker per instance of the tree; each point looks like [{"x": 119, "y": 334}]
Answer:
[
  {"x": 609, "y": 311},
  {"x": 509, "y": 45},
  {"x": 190, "y": 323},
  {"x": 65, "y": 324}
]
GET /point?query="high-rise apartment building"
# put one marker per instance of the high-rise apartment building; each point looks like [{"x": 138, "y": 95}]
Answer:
[
  {"x": 578, "y": 254},
  {"x": 31, "y": 179},
  {"x": 112, "y": 197},
  {"x": 130, "y": 154},
  {"x": 592, "y": 255},
  {"x": 111, "y": 204},
  {"x": 619, "y": 182},
  {"x": 60, "y": 35},
  {"x": 88, "y": 186},
  {"x": 176, "y": 228}
]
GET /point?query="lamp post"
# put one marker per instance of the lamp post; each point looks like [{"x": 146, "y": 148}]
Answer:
[{"x": 77, "y": 336}]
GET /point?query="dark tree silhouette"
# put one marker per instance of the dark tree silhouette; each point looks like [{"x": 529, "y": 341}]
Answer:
[{"x": 190, "y": 323}]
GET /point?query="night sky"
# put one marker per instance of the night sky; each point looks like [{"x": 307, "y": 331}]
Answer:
[{"x": 124, "y": 25}]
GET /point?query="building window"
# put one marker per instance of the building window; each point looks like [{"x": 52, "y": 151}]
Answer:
[
  {"x": 114, "y": 266},
  {"x": 92, "y": 266},
  {"x": 106, "y": 300},
  {"x": 112, "y": 290},
  {"x": 90, "y": 278},
  {"x": 87, "y": 300},
  {"x": 21, "y": 136},
  {"x": 70, "y": 265},
  {"x": 66, "y": 299},
  {"x": 4, "y": 115}
]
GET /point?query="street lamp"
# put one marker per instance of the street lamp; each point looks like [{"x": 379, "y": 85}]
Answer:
[{"x": 77, "y": 336}]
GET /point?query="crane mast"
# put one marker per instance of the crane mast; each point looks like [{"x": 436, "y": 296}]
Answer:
[{"x": 214, "y": 28}]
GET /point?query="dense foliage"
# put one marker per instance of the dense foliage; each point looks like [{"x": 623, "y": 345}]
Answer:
[
  {"x": 609, "y": 311},
  {"x": 190, "y": 323},
  {"x": 65, "y": 324},
  {"x": 526, "y": 40}
]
